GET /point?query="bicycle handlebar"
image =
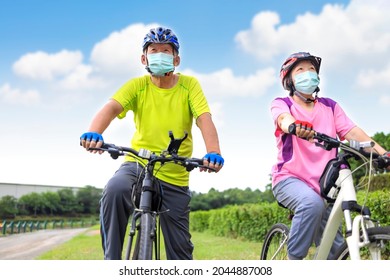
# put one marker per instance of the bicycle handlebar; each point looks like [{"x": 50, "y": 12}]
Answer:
[
  {"x": 166, "y": 156},
  {"x": 354, "y": 147}
]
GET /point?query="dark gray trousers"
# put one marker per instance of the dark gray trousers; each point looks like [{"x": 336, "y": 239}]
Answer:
[{"x": 116, "y": 207}]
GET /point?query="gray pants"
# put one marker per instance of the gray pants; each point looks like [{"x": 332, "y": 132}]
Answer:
[
  {"x": 116, "y": 207},
  {"x": 310, "y": 217}
]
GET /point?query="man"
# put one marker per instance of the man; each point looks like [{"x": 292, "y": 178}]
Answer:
[{"x": 161, "y": 101}]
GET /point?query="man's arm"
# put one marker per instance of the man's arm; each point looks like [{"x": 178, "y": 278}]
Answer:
[
  {"x": 210, "y": 136},
  {"x": 102, "y": 120}
]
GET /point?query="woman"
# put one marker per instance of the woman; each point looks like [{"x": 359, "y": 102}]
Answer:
[{"x": 300, "y": 163}]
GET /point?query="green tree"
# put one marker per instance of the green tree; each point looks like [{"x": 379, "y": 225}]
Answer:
[
  {"x": 33, "y": 203},
  {"x": 8, "y": 207},
  {"x": 51, "y": 201},
  {"x": 88, "y": 199},
  {"x": 383, "y": 140},
  {"x": 68, "y": 203},
  {"x": 215, "y": 199},
  {"x": 267, "y": 195}
]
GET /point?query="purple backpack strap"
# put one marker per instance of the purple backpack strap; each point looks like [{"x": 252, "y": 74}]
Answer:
[
  {"x": 326, "y": 101},
  {"x": 286, "y": 100}
]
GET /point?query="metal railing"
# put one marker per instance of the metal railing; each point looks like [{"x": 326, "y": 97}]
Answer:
[{"x": 14, "y": 227}]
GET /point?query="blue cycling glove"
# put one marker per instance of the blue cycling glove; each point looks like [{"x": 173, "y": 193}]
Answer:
[
  {"x": 92, "y": 136},
  {"x": 214, "y": 158}
]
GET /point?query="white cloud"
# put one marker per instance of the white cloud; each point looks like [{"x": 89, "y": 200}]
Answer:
[
  {"x": 44, "y": 66},
  {"x": 17, "y": 96},
  {"x": 337, "y": 33},
  {"x": 120, "y": 53},
  {"x": 373, "y": 77},
  {"x": 385, "y": 100},
  {"x": 116, "y": 57},
  {"x": 224, "y": 83},
  {"x": 353, "y": 40},
  {"x": 82, "y": 77}
]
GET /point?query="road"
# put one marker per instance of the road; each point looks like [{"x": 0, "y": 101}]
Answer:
[{"x": 30, "y": 245}]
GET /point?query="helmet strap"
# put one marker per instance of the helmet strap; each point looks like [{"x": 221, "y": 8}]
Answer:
[{"x": 307, "y": 100}]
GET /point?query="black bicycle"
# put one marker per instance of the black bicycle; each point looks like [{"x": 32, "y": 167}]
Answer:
[
  {"x": 146, "y": 195},
  {"x": 365, "y": 237}
]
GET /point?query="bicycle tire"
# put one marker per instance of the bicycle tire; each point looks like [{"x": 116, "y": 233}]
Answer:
[
  {"x": 146, "y": 237},
  {"x": 275, "y": 243},
  {"x": 379, "y": 239},
  {"x": 136, "y": 247}
]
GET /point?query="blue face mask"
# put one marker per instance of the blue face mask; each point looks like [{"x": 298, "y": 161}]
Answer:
[
  {"x": 160, "y": 63},
  {"x": 306, "y": 82}
]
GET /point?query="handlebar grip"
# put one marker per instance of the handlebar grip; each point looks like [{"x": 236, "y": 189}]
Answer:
[
  {"x": 197, "y": 160},
  {"x": 292, "y": 128},
  {"x": 107, "y": 146},
  {"x": 383, "y": 161}
]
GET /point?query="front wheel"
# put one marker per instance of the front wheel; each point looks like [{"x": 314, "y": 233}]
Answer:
[
  {"x": 377, "y": 249},
  {"x": 144, "y": 246},
  {"x": 275, "y": 243}
]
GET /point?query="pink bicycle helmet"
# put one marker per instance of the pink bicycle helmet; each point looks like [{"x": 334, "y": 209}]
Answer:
[{"x": 291, "y": 61}]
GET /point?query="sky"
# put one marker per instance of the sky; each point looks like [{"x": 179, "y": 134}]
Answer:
[{"x": 60, "y": 61}]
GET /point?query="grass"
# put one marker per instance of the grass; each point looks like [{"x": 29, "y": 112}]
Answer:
[{"x": 87, "y": 246}]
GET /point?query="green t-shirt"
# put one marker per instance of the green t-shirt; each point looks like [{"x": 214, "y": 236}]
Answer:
[{"x": 158, "y": 111}]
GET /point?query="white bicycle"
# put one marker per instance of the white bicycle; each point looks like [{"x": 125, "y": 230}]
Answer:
[{"x": 365, "y": 237}]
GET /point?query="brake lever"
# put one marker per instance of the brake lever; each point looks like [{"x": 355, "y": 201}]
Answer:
[{"x": 198, "y": 163}]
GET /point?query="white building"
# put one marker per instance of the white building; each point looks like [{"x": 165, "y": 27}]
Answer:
[{"x": 18, "y": 190}]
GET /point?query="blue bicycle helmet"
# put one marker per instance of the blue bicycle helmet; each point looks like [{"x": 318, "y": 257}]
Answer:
[{"x": 161, "y": 35}]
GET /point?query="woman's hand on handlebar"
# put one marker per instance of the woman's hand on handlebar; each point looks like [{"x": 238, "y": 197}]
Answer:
[
  {"x": 92, "y": 140},
  {"x": 302, "y": 129},
  {"x": 214, "y": 161}
]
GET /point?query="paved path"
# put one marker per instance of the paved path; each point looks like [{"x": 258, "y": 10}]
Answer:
[{"x": 30, "y": 245}]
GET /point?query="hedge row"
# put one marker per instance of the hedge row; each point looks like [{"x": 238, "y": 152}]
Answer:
[{"x": 251, "y": 221}]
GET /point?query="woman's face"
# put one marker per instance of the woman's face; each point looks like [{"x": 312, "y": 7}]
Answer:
[{"x": 302, "y": 66}]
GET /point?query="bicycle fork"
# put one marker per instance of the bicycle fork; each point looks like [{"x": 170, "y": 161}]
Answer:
[{"x": 131, "y": 234}]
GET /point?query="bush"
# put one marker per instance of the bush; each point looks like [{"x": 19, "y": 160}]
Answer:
[
  {"x": 252, "y": 221},
  {"x": 248, "y": 221},
  {"x": 378, "y": 182}
]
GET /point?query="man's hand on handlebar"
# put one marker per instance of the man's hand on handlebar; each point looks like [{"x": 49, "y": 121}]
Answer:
[
  {"x": 92, "y": 140},
  {"x": 214, "y": 161}
]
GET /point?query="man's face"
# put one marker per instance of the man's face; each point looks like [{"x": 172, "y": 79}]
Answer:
[{"x": 157, "y": 48}]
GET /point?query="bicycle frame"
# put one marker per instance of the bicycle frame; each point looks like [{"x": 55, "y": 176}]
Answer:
[
  {"x": 337, "y": 187},
  {"x": 145, "y": 218},
  {"x": 345, "y": 203}
]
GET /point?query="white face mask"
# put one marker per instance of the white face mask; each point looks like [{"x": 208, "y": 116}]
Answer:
[
  {"x": 306, "y": 82},
  {"x": 160, "y": 63}
]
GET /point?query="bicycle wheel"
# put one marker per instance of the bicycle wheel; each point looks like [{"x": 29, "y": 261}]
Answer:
[
  {"x": 377, "y": 249},
  {"x": 144, "y": 245},
  {"x": 275, "y": 243},
  {"x": 136, "y": 248}
]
